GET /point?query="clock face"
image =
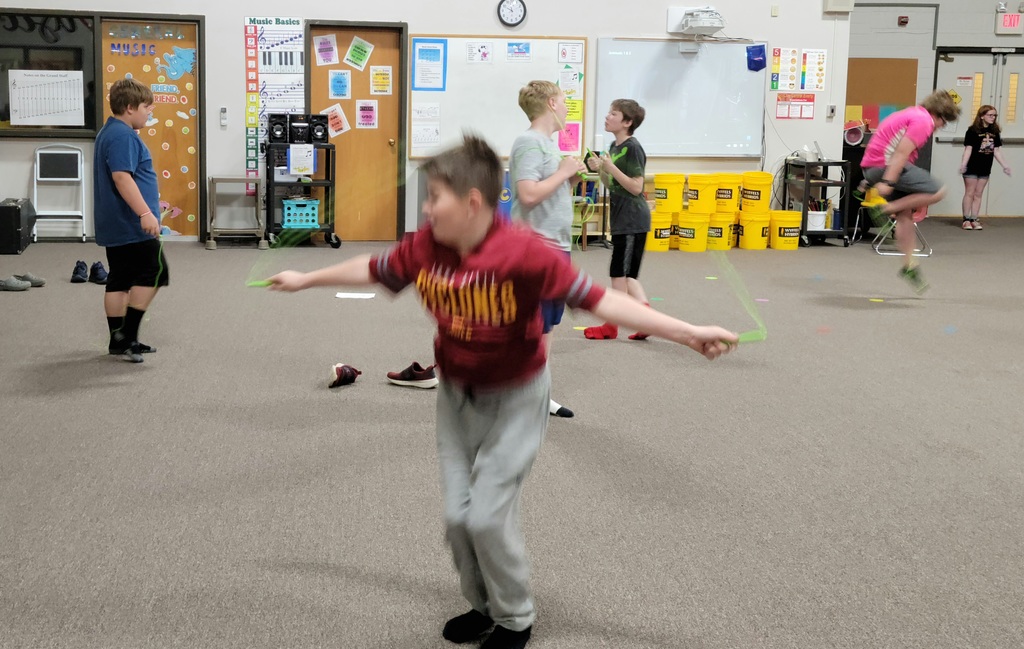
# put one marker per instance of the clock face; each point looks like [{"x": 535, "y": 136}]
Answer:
[{"x": 511, "y": 12}]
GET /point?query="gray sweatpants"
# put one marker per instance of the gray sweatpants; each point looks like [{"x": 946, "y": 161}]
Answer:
[{"x": 487, "y": 442}]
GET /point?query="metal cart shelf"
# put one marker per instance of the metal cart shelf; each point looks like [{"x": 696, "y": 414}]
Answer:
[
  {"x": 323, "y": 180},
  {"x": 811, "y": 179}
]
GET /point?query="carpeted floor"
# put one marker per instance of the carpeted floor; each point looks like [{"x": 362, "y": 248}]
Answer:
[{"x": 853, "y": 481}]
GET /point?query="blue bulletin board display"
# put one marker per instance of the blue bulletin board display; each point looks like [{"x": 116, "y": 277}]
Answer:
[
  {"x": 699, "y": 104},
  {"x": 471, "y": 83}
]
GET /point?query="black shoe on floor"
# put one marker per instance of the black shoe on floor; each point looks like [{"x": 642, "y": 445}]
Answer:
[
  {"x": 130, "y": 355},
  {"x": 466, "y": 627},
  {"x": 97, "y": 273},
  {"x": 80, "y": 274},
  {"x": 143, "y": 348},
  {"x": 502, "y": 638}
]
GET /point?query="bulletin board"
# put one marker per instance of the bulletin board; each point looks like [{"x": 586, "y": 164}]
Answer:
[
  {"x": 881, "y": 81},
  {"x": 164, "y": 56},
  {"x": 471, "y": 83}
]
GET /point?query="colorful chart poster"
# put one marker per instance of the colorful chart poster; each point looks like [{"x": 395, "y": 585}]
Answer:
[
  {"x": 785, "y": 68},
  {"x": 812, "y": 72}
]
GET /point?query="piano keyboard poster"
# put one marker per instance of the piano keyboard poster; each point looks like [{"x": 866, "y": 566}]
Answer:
[{"x": 274, "y": 71}]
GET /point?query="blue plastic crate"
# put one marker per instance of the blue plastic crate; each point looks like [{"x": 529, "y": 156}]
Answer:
[{"x": 300, "y": 214}]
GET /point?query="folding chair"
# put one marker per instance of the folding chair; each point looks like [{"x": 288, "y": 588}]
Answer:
[{"x": 884, "y": 242}]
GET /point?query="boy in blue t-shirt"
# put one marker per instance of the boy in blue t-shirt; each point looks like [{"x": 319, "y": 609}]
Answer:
[{"x": 126, "y": 200}]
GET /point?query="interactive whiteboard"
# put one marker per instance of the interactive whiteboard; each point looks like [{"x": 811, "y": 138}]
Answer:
[{"x": 703, "y": 104}]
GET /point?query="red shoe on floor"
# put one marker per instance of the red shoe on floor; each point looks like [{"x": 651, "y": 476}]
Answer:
[
  {"x": 415, "y": 376},
  {"x": 603, "y": 332}
]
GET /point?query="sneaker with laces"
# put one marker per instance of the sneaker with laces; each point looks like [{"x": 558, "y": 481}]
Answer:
[
  {"x": 966, "y": 225},
  {"x": 914, "y": 278},
  {"x": 80, "y": 274},
  {"x": 466, "y": 627},
  {"x": 97, "y": 273},
  {"x": 976, "y": 224},
  {"x": 415, "y": 376}
]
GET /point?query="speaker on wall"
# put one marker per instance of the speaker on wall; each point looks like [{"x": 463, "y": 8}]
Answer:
[
  {"x": 318, "y": 128},
  {"x": 277, "y": 127}
]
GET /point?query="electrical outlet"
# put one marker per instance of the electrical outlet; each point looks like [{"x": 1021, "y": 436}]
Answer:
[
  {"x": 830, "y": 111},
  {"x": 775, "y": 11}
]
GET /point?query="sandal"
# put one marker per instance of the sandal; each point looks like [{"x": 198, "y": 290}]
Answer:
[
  {"x": 34, "y": 280},
  {"x": 13, "y": 284}
]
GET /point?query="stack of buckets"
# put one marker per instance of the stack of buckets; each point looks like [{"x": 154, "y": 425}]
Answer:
[
  {"x": 668, "y": 203},
  {"x": 756, "y": 190},
  {"x": 723, "y": 228}
]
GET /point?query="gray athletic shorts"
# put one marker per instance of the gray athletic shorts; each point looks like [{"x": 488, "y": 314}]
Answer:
[{"x": 913, "y": 180}]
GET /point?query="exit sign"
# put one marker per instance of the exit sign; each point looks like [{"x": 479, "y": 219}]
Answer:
[{"x": 1009, "y": 24}]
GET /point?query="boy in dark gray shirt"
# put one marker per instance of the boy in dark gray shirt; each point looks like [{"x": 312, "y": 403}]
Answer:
[{"x": 622, "y": 172}]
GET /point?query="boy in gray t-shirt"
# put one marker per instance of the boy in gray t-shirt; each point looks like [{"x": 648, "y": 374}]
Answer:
[{"x": 539, "y": 177}]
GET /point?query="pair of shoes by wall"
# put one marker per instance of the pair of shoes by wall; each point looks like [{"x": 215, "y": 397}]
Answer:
[{"x": 96, "y": 274}]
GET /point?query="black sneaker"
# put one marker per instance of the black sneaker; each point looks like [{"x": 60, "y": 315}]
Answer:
[
  {"x": 502, "y": 638},
  {"x": 466, "y": 627},
  {"x": 97, "y": 273},
  {"x": 81, "y": 273},
  {"x": 131, "y": 354},
  {"x": 143, "y": 348}
]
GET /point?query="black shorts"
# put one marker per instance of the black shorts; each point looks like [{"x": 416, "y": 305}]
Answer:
[
  {"x": 627, "y": 253},
  {"x": 136, "y": 264}
]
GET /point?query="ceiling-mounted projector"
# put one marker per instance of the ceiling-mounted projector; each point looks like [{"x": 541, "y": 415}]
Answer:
[{"x": 701, "y": 22}]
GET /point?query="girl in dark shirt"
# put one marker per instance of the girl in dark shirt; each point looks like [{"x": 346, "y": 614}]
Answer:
[{"x": 982, "y": 143}]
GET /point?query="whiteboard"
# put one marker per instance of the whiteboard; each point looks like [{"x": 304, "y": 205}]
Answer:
[
  {"x": 706, "y": 104},
  {"x": 472, "y": 83}
]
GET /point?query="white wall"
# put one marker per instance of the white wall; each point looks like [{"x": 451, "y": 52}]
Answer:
[
  {"x": 874, "y": 32},
  {"x": 797, "y": 26}
]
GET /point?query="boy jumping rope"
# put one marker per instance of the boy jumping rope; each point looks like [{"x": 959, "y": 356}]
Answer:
[
  {"x": 888, "y": 164},
  {"x": 483, "y": 281}
]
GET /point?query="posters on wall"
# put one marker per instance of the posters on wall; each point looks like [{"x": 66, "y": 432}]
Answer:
[
  {"x": 793, "y": 69},
  {"x": 46, "y": 97},
  {"x": 274, "y": 79},
  {"x": 163, "y": 57}
]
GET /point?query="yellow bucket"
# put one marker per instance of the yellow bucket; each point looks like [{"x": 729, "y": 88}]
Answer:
[
  {"x": 728, "y": 193},
  {"x": 701, "y": 192},
  {"x": 693, "y": 232},
  {"x": 673, "y": 240},
  {"x": 754, "y": 231},
  {"x": 668, "y": 192},
  {"x": 785, "y": 230},
  {"x": 721, "y": 234},
  {"x": 756, "y": 192},
  {"x": 661, "y": 232}
]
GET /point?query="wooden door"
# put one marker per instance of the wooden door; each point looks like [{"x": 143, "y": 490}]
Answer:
[{"x": 358, "y": 69}]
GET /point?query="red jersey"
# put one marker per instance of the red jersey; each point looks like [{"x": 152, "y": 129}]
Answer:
[{"x": 487, "y": 304}]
